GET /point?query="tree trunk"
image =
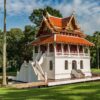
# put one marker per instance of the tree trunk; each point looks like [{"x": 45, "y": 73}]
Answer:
[{"x": 4, "y": 48}]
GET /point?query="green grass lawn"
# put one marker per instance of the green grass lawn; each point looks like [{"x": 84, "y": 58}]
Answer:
[{"x": 79, "y": 91}]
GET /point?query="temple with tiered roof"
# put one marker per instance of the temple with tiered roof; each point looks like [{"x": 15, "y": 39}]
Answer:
[
  {"x": 60, "y": 50},
  {"x": 64, "y": 45}
]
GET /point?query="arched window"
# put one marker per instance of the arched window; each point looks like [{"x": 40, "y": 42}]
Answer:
[
  {"x": 51, "y": 65},
  {"x": 81, "y": 64},
  {"x": 74, "y": 64},
  {"x": 66, "y": 64}
]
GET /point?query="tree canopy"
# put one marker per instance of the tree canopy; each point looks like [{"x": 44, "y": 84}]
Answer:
[
  {"x": 96, "y": 49},
  {"x": 37, "y": 14}
]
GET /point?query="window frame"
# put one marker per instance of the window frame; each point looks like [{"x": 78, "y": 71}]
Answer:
[
  {"x": 66, "y": 64},
  {"x": 50, "y": 65},
  {"x": 81, "y": 64}
]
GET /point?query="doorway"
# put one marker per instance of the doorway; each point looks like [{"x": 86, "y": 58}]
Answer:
[{"x": 74, "y": 65}]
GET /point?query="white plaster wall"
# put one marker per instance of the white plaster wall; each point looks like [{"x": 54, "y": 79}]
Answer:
[
  {"x": 60, "y": 71},
  {"x": 86, "y": 67},
  {"x": 45, "y": 67}
]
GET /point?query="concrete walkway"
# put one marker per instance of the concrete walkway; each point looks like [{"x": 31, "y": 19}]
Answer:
[
  {"x": 73, "y": 81},
  {"x": 53, "y": 82}
]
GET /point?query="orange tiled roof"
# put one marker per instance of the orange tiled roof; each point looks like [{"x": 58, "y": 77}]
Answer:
[
  {"x": 59, "y": 22},
  {"x": 73, "y": 40},
  {"x": 63, "y": 39},
  {"x": 43, "y": 40},
  {"x": 60, "y": 25}
]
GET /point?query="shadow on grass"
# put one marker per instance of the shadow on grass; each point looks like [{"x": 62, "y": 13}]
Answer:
[{"x": 85, "y": 91}]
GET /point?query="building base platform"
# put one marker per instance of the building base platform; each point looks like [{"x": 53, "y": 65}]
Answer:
[
  {"x": 53, "y": 82},
  {"x": 71, "y": 81}
]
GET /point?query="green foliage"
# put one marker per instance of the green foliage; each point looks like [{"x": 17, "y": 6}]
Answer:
[
  {"x": 37, "y": 14},
  {"x": 1, "y": 46},
  {"x": 29, "y": 36},
  {"x": 18, "y": 49},
  {"x": 96, "y": 40},
  {"x": 14, "y": 36}
]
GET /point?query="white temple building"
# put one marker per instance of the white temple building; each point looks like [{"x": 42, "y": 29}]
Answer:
[{"x": 60, "y": 51}]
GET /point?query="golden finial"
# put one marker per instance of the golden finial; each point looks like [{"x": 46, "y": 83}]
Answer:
[{"x": 73, "y": 12}]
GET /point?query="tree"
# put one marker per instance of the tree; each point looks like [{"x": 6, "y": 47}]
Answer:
[
  {"x": 97, "y": 36},
  {"x": 36, "y": 15},
  {"x": 14, "y": 52},
  {"x": 18, "y": 47},
  {"x": 95, "y": 51},
  {"x": 1, "y": 46},
  {"x": 29, "y": 36},
  {"x": 4, "y": 48}
]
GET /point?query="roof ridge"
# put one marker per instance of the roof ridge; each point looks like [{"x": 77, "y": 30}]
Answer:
[{"x": 49, "y": 15}]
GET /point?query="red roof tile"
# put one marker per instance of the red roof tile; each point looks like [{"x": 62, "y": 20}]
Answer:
[
  {"x": 63, "y": 39},
  {"x": 73, "y": 40},
  {"x": 59, "y": 22}
]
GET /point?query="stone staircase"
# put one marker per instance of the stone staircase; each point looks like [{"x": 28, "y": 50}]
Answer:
[
  {"x": 77, "y": 74},
  {"x": 32, "y": 71}
]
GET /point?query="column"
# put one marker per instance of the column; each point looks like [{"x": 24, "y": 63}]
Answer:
[
  {"x": 55, "y": 48},
  {"x": 88, "y": 51},
  {"x": 83, "y": 50},
  {"x": 62, "y": 49},
  {"x": 55, "y": 44},
  {"x": 48, "y": 51},
  {"x": 78, "y": 50},
  {"x": 69, "y": 49},
  {"x": 46, "y": 78}
]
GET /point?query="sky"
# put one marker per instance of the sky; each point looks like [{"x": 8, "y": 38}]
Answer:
[{"x": 87, "y": 12}]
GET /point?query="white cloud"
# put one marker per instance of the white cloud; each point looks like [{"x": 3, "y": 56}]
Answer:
[
  {"x": 18, "y": 6},
  {"x": 87, "y": 11}
]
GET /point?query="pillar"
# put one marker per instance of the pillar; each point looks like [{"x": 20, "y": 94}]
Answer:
[
  {"x": 83, "y": 50},
  {"x": 78, "y": 50},
  {"x": 88, "y": 51},
  {"x": 69, "y": 49},
  {"x": 48, "y": 49},
  {"x": 62, "y": 48},
  {"x": 46, "y": 79},
  {"x": 55, "y": 48}
]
